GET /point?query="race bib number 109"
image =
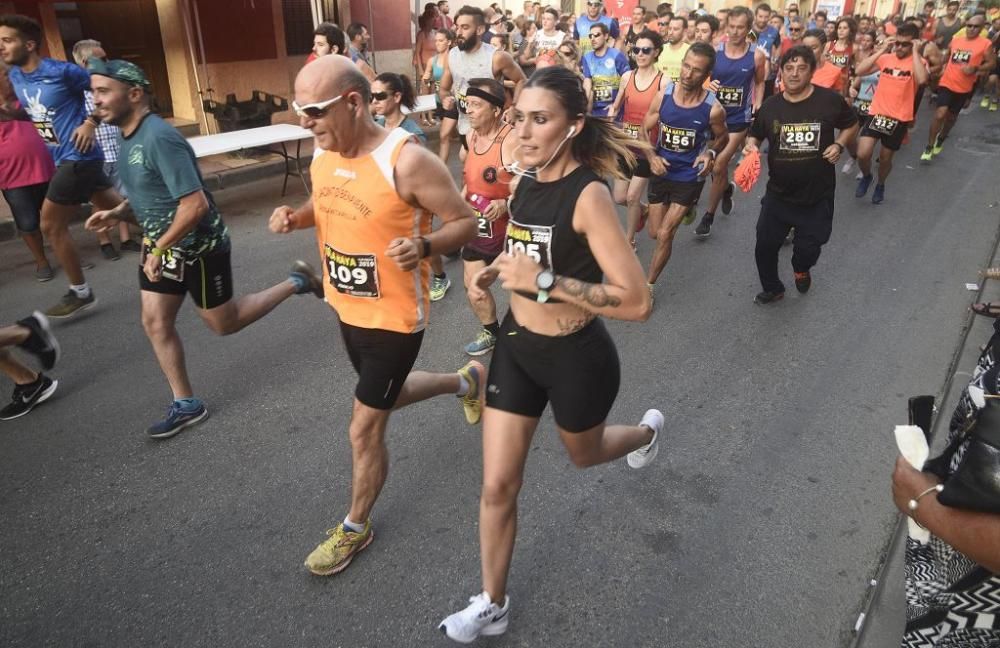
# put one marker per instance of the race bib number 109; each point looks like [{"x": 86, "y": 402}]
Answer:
[
  {"x": 352, "y": 274},
  {"x": 533, "y": 240},
  {"x": 800, "y": 137}
]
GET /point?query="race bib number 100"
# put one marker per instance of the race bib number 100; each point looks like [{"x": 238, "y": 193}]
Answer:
[
  {"x": 800, "y": 137},
  {"x": 533, "y": 240},
  {"x": 352, "y": 274}
]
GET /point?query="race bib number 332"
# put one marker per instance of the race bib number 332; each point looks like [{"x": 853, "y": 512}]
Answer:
[
  {"x": 352, "y": 274},
  {"x": 800, "y": 137}
]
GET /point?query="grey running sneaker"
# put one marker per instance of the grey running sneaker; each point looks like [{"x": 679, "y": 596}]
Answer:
[
  {"x": 70, "y": 305},
  {"x": 109, "y": 252},
  {"x": 44, "y": 274},
  {"x": 313, "y": 281}
]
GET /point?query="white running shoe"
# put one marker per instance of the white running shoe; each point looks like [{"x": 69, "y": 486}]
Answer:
[
  {"x": 848, "y": 165},
  {"x": 482, "y": 617},
  {"x": 642, "y": 457}
]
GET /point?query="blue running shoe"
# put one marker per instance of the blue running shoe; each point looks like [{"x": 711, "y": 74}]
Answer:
[
  {"x": 863, "y": 184},
  {"x": 177, "y": 419},
  {"x": 879, "y": 194}
]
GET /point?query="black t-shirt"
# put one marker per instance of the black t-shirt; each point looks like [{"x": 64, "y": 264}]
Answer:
[{"x": 797, "y": 134}]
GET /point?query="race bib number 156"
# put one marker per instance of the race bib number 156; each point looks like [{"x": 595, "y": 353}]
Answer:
[{"x": 352, "y": 274}]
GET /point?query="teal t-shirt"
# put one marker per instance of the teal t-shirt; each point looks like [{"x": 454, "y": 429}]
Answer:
[{"x": 158, "y": 167}]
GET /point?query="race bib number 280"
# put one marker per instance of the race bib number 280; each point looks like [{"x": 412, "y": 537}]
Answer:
[
  {"x": 352, "y": 274},
  {"x": 533, "y": 240},
  {"x": 800, "y": 137}
]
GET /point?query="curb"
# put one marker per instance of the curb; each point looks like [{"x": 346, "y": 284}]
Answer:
[{"x": 868, "y": 623}]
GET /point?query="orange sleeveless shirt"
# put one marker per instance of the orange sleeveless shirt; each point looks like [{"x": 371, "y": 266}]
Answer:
[{"x": 358, "y": 213}]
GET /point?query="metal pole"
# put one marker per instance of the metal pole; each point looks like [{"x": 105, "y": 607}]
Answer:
[
  {"x": 371, "y": 34},
  {"x": 186, "y": 20}
]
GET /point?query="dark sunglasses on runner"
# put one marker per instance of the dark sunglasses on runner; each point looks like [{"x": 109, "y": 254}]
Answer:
[
  {"x": 642, "y": 50},
  {"x": 596, "y": 35},
  {"x": 380, "y": 96}
]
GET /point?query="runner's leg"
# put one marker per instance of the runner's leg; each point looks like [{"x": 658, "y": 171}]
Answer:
[
  {"x": 604, "y": 443},
  {"x": 885, "y": 156},
  {"x": 159, "y": 319},
  {"x": 720, "y": 171},
  {"x": 665, "y": 240},
  {"x": 55, "y": 229},
  {"x": 370, "y": 458},
  {"x": 237, "y": 314},
  {"x": 14, "y": 370},
  {"x": 633, "y": 200},
  {"x": 771, "y": 233},
  {"x": 485, "y": 308},
  {"x": 506, "y": 442},
  {"x": 866, "y": 150},
  {"x": 448, "y": 129}
]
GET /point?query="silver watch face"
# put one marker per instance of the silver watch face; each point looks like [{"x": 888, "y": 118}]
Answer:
[{"x": 545, "y": 280}]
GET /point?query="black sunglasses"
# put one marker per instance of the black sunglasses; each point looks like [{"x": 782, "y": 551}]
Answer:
[
  {"x": 380, "y": 96},
  {"x": 662, "y": 24},
  {"x": 642, "y": 50},
  {"x": 597, "y": 35}
]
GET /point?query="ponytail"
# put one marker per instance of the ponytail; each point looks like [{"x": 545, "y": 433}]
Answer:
[{"x": 399, "y": 83}]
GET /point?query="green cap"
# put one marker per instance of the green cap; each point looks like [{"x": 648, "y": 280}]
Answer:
[{"x": 124, "y": 71}]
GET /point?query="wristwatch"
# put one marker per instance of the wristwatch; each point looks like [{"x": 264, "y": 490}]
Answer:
[
  {"x": 840, "y": 146},
  {"x": 425, "y": 250},
  {"x": 544, "y": 281}
]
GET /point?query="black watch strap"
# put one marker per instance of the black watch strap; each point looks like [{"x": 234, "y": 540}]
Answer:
[{"x": 425, "y": 250}]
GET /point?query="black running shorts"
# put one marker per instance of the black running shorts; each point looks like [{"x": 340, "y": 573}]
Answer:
[
  {"x": 641, "y": 169},
  {"x": 891, "y": 136},
  {"x": 578, "y": 374},
  {"x": 952, "y": 100},
  {"x": 208, "y": 279},
  {"x": 668, "y": 192},
  {"x": 472, "y": 254},
  {"x": 75, "y": 182},
  {"x": 382, "y": 359}
]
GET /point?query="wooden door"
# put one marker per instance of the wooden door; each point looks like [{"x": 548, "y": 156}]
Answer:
[{"x": 129, "y": 30}]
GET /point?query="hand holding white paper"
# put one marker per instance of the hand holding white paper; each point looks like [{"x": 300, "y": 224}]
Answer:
[{"x": 912, "y": 444}]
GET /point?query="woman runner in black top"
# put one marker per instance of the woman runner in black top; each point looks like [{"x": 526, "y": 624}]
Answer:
[{"x": 566, "y": 261}]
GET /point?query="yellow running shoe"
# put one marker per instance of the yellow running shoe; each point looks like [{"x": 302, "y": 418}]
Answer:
[
  {"x": 334, "y": 554},
  {"x": 985, "y": 103},
  {"x": 473, "y": 402}
]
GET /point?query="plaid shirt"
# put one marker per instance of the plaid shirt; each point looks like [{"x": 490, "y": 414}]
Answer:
[{"x": 107, "y": 135}]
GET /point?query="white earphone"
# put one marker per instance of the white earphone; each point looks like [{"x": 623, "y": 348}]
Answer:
[{"x": 572, "y": 130}]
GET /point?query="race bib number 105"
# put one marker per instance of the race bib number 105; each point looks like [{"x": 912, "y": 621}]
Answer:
[
  {"x": 533, "y": 240},
  {"x": 800, "y": 137},
  {"x": 352, "y": 274}
]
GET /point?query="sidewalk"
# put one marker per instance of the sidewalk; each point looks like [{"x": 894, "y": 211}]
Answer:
[
  {"x": 885, "y": 609},
  {"x": 231, "y": 169}
]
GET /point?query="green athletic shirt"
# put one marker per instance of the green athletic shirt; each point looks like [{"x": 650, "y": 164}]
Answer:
[{"x": 158, "y": 167}]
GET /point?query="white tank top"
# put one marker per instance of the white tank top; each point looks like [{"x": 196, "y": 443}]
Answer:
[{"x": 465, "y": 66}]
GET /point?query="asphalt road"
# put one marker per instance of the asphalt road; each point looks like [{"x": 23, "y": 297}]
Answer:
[{"x": 760, "y": 524}]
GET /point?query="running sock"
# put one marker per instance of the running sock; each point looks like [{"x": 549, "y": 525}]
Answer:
[
  {"x": 463, "y": 386},
  {"x": 299, "y": 281},
  {"x": 82, "y": 291},
  {"x": 188, "y": 404},
  {"x": 35, "y": 383},
  {"x": 353, "y": 526},
  {"x": 493, "y": 328}
]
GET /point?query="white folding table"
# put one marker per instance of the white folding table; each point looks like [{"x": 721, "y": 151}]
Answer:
[{"x": 263, "y": 137}]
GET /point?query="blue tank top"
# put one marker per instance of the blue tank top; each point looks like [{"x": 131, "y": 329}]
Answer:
[
  {"x": 866, "y": 92},
  {"x": 682, "y": 135},
  {"x": 438, "y": 71},
  {"x": 735, "y": 77}
]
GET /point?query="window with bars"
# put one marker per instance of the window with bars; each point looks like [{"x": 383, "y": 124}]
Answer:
[{"x": 298, "y": 26}]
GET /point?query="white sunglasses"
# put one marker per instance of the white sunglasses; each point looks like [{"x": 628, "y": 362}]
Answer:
[{"x": 320, "y": 108}]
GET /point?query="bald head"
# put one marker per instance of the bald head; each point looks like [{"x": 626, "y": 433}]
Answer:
[{"x": 327, "y": 77}]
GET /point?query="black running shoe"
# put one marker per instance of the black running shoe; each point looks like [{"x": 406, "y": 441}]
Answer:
[
  {"x": 768, "y": 297},
  {"x": 727, "y": 199},
  {"x": 109, "y": 252},
  {"x": 704, "y": 229},
  {"x": 802, "y": 282},
  {"x": 27, "y": 396},
  {"x": 41, "y": 343},
  {"x": 128, "y": 245}
]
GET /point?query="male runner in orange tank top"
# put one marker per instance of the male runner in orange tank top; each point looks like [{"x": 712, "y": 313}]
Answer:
[{"x": 373, "y": 195}]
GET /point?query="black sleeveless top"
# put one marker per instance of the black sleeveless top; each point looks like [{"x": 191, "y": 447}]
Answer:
[{"x": 541, "y": 225}]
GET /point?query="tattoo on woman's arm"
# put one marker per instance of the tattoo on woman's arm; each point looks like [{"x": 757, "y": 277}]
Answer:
[{"x": 593, "y": 294}]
